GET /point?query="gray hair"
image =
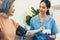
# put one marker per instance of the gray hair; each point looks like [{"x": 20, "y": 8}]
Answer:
[{"x": 5, "y": 6}]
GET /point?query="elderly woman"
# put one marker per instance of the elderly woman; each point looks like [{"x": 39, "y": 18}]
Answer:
[{"x": 8, "y": 27}]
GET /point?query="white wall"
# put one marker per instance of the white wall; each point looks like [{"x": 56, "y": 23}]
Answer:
[
  {"x": 23, "y": 8},
  {"x": 56, "y": 16}
]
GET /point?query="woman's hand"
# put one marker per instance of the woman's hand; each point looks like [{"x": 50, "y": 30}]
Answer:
[
  {"x": 30, "y": 33},
  {"x": 53, "y": 36}
]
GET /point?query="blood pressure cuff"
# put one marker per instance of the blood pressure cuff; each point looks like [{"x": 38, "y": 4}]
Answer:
[{"x": 20, "y": 31}]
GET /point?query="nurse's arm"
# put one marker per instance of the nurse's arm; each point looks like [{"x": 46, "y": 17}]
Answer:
[
  {"x": 53, "y": 36},
  {"x": 32, "y": 32},
  {"x": 35, "y": 31},
  {"x": 54, "y": 30}
]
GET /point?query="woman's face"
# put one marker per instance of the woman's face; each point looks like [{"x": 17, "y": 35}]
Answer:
[
  {"x": 11, "y": 11},
  {"x": 43, "y": 8}
]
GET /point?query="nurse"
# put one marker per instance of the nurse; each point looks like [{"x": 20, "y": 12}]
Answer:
[{"x": 43, "y": 19}]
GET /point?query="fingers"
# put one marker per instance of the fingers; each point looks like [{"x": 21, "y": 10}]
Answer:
[{"x": 42, "y": 28}]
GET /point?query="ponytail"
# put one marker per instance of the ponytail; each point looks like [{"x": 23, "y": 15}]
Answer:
[{"x": 47, "y": 13}]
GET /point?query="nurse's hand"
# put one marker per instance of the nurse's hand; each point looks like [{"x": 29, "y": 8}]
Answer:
[
  {"x": 53, "y": 36},
  {"x": 42, "y": 28}
]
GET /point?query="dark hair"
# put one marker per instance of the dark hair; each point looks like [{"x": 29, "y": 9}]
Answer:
[{"x": 48, "y": 4}]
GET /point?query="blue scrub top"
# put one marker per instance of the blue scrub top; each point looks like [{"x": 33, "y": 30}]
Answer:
[{"x": 49, "y": 23}]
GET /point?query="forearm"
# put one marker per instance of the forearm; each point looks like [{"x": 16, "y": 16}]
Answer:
[
  {"x": 31, "y": 33},
  {"x": 35, "y": 31}
]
